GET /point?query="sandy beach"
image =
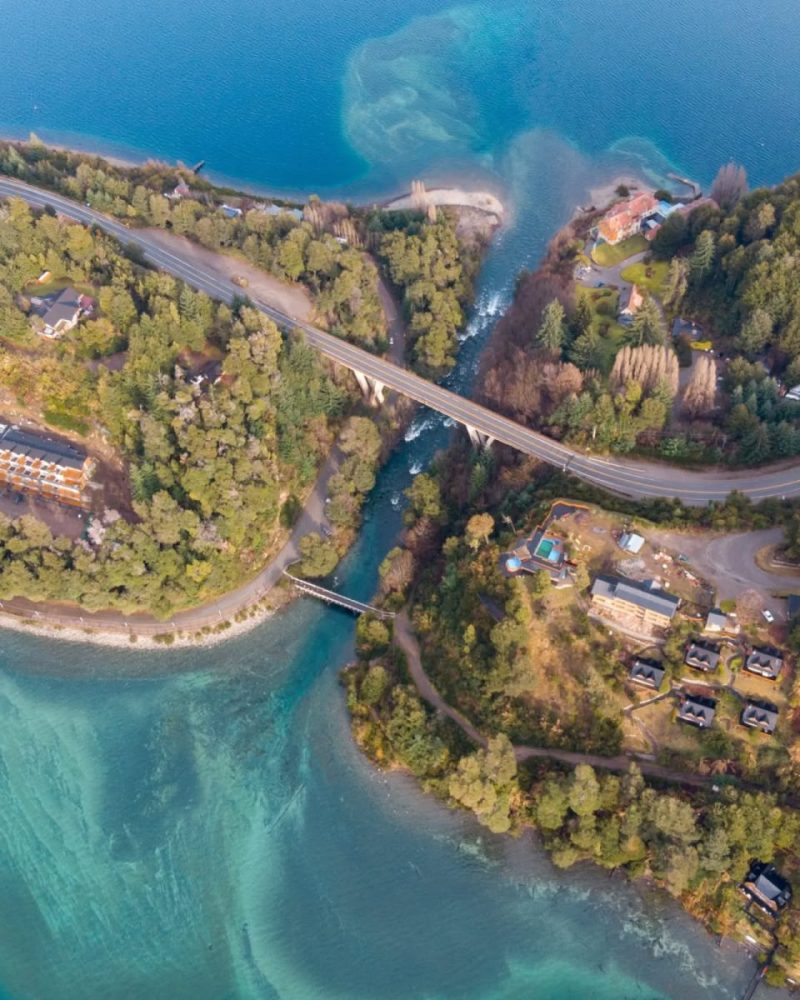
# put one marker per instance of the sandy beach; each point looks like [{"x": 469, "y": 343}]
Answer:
[{"x": 456, "y": 196}]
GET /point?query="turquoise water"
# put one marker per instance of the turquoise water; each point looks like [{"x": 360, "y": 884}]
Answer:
[{"x": 198, "y": 823}]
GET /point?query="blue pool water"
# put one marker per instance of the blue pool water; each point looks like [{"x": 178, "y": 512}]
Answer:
[{"x": 198, "y": 824}]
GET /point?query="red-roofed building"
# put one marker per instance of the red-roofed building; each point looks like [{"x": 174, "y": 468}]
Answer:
[{"x": 625, "y": 218}]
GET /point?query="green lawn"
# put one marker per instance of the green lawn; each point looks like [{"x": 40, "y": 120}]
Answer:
[
  {"x": 607, "y": 256},
  {"x": 604, "y": 303},
  {"x": 650, "y": 276}
]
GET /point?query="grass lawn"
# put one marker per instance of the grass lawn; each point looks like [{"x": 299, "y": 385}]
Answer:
[
  {"x": 650, "y": 276},
  {"x": 604, "y": 303},
  {"x": 607, "y": 256}
]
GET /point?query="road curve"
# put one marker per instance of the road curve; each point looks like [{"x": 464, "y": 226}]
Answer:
[{"x": 632, "y": 478}]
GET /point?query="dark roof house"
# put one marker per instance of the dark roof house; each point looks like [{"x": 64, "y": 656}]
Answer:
[
  {"x": 697, "y": 711},
  {"x": 765, "y": 661},
  {"x": 760, "y": 715},
  {"x": 648, "y": 673},
  {"x": 767, "y": 888},
  {"x": 702, "y": 655},
  {"x": 62, "y": 313}
]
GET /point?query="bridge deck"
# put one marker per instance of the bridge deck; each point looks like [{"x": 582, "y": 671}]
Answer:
[{"x": 358, "y": 607}]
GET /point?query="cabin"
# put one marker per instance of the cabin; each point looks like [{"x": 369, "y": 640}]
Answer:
[
  {"x": 760, "y": 715},
  {"x": 637, "y": 605},
  {"x": 49, "y": 468},
  {"x": 702, "y": 655},
  {"x": 630, "y": 302},
  {"x": 697, "y": 711},
  {"x": 631, "y": 542},
  {"x": 765, "y": 661},
  {"x": 624, "y": 219},
  {"x": 767, "y": 888},
  {"x": 647, "y": 673},
  {"x": 716, "y": 621},
  {"x": 61, "y": 313}
]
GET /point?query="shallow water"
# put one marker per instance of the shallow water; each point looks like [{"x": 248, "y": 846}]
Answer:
[{"x": 198, "y": 823}]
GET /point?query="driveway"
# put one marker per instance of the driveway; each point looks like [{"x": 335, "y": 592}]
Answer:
[{"x": 729, "y": 561}]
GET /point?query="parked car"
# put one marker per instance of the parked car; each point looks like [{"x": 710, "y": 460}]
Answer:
[
  {"x": 240, "y": 280},
  {"x": 768, "y": 617}
]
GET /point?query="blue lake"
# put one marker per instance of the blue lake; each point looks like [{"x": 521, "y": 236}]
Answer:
[{"x": 198, "y": 823}]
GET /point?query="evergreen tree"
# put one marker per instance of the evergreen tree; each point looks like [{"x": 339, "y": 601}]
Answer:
[
  {"x": 703, "y": 256},
  {"x": 552, "y": 329}
]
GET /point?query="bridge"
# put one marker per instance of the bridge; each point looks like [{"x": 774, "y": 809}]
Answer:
[
  {"x": 639, "y": 479},
  {"x": 331, "y": 597}
]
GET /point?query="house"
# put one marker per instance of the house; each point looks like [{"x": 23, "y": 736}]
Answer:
[
  {"x": 540, "y": 551},
  {"x": 230, "y": 211},
  {"x": 631, "y": 542},
  {"x": 697, "y": 711},
  {"x": 625, "y": 218},
  {"x": 61, "y": 314},
  {"x": 760, "y": 715},
  {"x": 765, "y": 661},
  {"x": 648, "y": 673},
  {"x": 702, "y": 655},
  {"x": 716, "y": 621},
  {"x": 686, "y": 328},
  {"x": 637, "y": 605},
  {"x": 50, "y": 468},
  {"x": 767, "y": 888}
]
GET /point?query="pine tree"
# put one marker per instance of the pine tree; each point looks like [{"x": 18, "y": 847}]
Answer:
[
  {"x": 648, "y": 325},
  {"x": 677, "y": 281},
  {"x": 552, "y": 330},
  {"x": 756, "y": 332},
  {"x": 703, "y": 256}
]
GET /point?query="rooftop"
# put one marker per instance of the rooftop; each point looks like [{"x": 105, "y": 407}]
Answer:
[
  {"x": 39, "y": 447},
  {"x": 639, "y": 594},
  {"x": 765, "y": 661},
  {"x": 697, "y": 711},
  {"x": 767, "y": 887},
  {"x": 702, "y": 655},
  {"x": 647, "y": 672},
  {"x": 760, "y": 715},
  {"x": 62, "y": 307}
]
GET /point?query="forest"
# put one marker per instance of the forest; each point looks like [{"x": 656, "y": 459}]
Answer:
[
  {"x": 215, "y": 471},
  {"x": 332, "y": 249},
  {"x": 561, "y": 362}
]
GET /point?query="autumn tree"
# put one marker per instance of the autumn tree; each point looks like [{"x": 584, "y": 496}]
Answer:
[
  {"x": 478, "y": 529},
  {"x": 729, "y": 185},
  {"x": 701, "y": 390}
]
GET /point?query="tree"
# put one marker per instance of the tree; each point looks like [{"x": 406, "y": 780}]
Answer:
[
  {"x": 478, "y": 529},
  {"x": 756, "y": 332},
  {"x": 584, "y": 791},
  {"x": 703, "y": 256},
  {"x": 374, "y": 685},
  {"x": 759, "y": 221},
  {"x": 701, "y": 390},
  {"x": 485, "y": 781},
  {"x": 677, "y": 282},
  {"x": 552, "y": 329},
  {"x": 551, "y": 805},
  {"x": 648, "y": 325},
  {"x": 424, "y": 496},
  {"x": 729, "y": 186},
  {"x": 319, "y": 556},
  {"x": 582, "y": 317}
]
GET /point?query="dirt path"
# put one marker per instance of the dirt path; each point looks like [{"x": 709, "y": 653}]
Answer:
[
  {"x": 294, "y": 300},
  {"x": 407, "y": 641}
]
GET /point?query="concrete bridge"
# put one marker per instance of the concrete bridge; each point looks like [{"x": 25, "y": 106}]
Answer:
[
  {"x": 331, "y": 597},
  {"x": 629, "y": 477}
]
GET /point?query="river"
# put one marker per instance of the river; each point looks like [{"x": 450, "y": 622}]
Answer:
[{"x": 197, "y": 823}]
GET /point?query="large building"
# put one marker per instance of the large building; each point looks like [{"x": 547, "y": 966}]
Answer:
[
  {"x": 54, "y": 470},
  {"x": 626, "y": 217},
  {"x": 636, "y": 605}
]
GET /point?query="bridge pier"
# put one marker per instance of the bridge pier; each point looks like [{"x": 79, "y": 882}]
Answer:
[
  {"x": 479, "y": 439},
  {"x": 372, "y": 388}
]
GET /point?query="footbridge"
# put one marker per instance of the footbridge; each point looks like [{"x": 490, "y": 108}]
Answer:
[
  {"x": 639, "y": 479},
  {"x": 331, "y": 597}
]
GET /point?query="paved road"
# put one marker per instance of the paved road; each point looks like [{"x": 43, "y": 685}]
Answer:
[
  {"x": 730, "y": 560},
  {"x": 632, "y": 478}
]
